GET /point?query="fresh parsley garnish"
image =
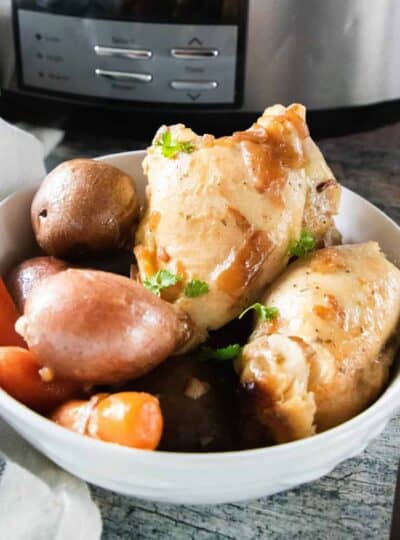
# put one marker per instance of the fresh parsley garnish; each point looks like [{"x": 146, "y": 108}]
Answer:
[
  {"x": 170, "y": 147},
  {"x": 303, "y": 246},
  {"x": 161, "y": 280},
  {"x": 264, "y": 313},
  {"x": 222, "y": 353},
  {"x": 195, "y": 288}
]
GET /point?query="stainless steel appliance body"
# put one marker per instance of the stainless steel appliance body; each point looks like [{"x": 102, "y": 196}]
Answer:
[{"x": 195, "y": 55}]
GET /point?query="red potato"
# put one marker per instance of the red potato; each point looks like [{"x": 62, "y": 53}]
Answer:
[
  {"x": 19, "y": 377},
  {"x": 131, "y": 419},
  {"x": 28, "y": 274},
  {"x": 97, "y": 327},
  {"x": 8, "y": 317}
]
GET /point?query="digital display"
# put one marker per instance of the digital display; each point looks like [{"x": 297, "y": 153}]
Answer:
[{"x": 172, "y": 11}]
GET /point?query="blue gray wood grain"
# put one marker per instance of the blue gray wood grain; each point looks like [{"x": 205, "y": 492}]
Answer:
[{"x": 355, "y": 500}]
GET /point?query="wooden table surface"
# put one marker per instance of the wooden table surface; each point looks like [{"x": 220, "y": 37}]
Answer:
[{"x": 355, "y": 500}]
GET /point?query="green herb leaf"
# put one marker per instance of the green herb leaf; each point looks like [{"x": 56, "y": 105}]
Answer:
[
  {"x": 264, "y": 313},
  {"x": 304, "y": 245},
  {"x": 165, "y": 139},
  {"x": 223, "y": 353},
  {"x": 170, "y": 148},
  {"x": 195, "y": 288},
  {"x": 161, "y": 280}
]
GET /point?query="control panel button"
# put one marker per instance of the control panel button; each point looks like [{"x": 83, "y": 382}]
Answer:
[
  {"x": 116, "y": 52},
  {"x": 194, "y": 53},
  {"x": 124, "y": 76},
  {"x": 55, "y": 66},
  {"x": 194, "y": 85}
]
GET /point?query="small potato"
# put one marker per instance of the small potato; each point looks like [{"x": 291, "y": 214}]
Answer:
[
  {"x": 84, "y": 206},
  {"x": 26, "y": 275},
  {"x": 97, "y": 327}
]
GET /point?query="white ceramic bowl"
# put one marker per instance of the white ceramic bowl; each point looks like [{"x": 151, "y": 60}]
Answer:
[{"x": 200, "y": 478}]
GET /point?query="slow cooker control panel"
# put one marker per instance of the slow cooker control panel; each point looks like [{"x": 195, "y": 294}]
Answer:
[{"x": 144, "y": 62}]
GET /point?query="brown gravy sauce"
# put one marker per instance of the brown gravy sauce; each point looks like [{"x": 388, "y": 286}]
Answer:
[
  {"x": 244, "y": 264},
  {"x": 269, "y": 153},
  {"x": 154, "y": 220},
  {"x": 147, "y": 260},
  {"x": 328, "y": 261},
  {"x": 330, "y": 311}
]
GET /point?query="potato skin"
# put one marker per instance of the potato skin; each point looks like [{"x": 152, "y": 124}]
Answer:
[
  {"x": 84, "y": 206},
  {"x": 97, "y": 327},
  {"x": 25, "y": 276}
]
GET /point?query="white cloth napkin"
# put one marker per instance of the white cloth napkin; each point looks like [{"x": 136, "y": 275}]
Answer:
[
  {"x": 38, "y": 500},
  {"x": 21, "y": 159}
]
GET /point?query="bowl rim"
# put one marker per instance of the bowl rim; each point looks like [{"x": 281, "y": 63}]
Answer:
[{"x": 380, "y": 411}]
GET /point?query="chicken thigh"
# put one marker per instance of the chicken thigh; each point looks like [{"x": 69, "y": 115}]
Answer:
[
  {"x": 327, "y": 354},
  {"x": 224, "y": 211}
]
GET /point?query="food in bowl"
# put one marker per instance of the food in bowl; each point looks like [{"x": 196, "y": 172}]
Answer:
[
  {"x": 25, "y": 276},
  {"x": 225, "y": 211},
  {"x": 327, "y": 353},
  {"x": 63, "y": 216},
  {"x": 127, "y": 418},
  {"x": 224, "y": 224},
  {"x": 97, "y": 327},
  {"x": 24, "y": 378},
  {"x": 8, "y": 317}
]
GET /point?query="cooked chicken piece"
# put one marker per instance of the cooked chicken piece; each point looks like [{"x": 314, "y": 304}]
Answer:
[
  {"x": 224, "y": 211},
  {"x": 327, "y": 355}
]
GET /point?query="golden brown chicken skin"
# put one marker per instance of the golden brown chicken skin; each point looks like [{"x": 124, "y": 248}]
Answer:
[
  {"x": 224, "y": 211},
  {"x": 327, "y": 355}
]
